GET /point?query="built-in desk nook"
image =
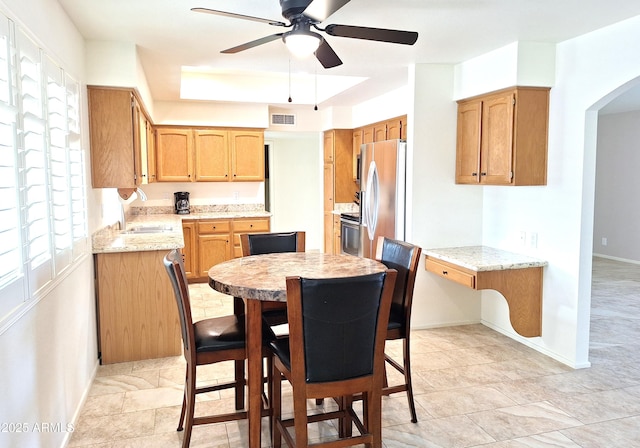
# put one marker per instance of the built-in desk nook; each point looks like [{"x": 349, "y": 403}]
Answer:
[{"x": 517, "y": 277}]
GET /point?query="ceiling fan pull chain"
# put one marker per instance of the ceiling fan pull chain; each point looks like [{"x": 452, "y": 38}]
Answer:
[
  {"x": 290, "y": 80},
  {"x": 315, "y": 107}
]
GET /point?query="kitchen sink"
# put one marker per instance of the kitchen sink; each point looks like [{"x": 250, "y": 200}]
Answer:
[{"x": 149, "y": 229}]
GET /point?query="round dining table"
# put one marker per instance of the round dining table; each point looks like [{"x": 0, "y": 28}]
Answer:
[{"x": 261, "y": 278}]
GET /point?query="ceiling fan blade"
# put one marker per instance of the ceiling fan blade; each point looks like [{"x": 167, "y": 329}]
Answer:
[
  {"x": 321, "y": 9},
  {"x": 239, "y": 16},
  {"x": 327, "y": 57},
  {"x": 253, "y": 43},
  {"x": 378, "y": 34}
]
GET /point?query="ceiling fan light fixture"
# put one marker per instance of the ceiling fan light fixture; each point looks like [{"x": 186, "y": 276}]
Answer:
[{"x": 302, "y": 43}]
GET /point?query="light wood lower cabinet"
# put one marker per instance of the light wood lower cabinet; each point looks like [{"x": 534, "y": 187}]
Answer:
[
  {"x": 137, "y": 312},
  {"x": 212, "y": 241},
  {"x": 214, "y": 244}
]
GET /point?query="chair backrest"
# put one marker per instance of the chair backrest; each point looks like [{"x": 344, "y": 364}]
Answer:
[
  {"x": 175, "y": 268},
  {"x": 404, "y": 258},
  {"x": 270, "y": 243},
  {"x": 342, "y": 323}
]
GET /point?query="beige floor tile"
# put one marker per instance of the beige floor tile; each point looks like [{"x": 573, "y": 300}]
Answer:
[
  {"x": 463, "y": 401},
  {"x": 473, "y": 387},
  {"x": 519, "y": 421}
]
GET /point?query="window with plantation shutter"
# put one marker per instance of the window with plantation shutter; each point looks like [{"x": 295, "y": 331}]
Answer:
[
  {"x": 12, "y": 279},
  {"x": 43, "y": 224},
  {"x": 32, "y": 148}
]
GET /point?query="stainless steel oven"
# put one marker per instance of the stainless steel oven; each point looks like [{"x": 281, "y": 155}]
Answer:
[{"x": 350, "y": 234}]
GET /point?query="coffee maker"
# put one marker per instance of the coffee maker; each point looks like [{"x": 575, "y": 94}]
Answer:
[{"x": 182, "y": 202}]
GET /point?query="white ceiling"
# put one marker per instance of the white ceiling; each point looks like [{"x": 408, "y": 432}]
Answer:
[{"x": 169, "y": 36}]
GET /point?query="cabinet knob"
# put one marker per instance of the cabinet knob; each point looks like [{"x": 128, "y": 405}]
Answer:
[
  {"x": 474, "y": 174},
  {"x": 483, "y": 174},
  {"x": 445, "y": 272}
]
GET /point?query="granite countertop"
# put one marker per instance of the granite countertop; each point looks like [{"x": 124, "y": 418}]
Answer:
[
  {"x": 483, "y": 258},
  {"x": 111, "y": 239}
]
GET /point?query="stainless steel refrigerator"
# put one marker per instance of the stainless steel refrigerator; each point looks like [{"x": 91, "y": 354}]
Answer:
[{"x": 383, "y": 187}]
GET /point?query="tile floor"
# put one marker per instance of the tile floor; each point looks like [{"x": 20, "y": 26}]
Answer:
[{"x": 474, "y": 387}]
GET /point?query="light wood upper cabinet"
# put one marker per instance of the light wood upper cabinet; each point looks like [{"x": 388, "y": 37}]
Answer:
[
  {"x": 174, "y": 155},
  {"x": 187, "y": 154},
  {"x": 502, "y": 138},
  {"x": 211, "y": 155},
  {"x": 119, "y": 148},
  {"x": 247, "y": 155}
]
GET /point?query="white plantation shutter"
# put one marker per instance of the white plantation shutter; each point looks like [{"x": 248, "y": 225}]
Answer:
[
  {"x": 76, "y": 169},
  {"x": 43, "y": 223},
  {"x": 12, "y": 285},
  {"x": 34, "y": 158},
  {"x": 56, "y": 106}
]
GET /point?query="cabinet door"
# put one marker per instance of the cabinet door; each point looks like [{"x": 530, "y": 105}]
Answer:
[
  {"x": 395, "y": 128},
  {"x": 357, "y": 141},
  {"x": 151, "y": 152},
  {"x": 138, "y": 317},
  {"x": 380, "y": 132},
  {"x": 190, "y": 250},
  {"x": 212, "y": 155},
  {"x": 337, "y": 241},
  {"x": 468, "y": 143},
  {"x": 496, "y": 154},
  {"x": 328, "y": 232},
  {"x": 111, "y": 136},
  {"x": 213, "y": 249},
  {"x": 174, "y": 155},
  {"x": 367, "y": 134},
  {"x": 328, "y": 146},
  {"x": 247, "y": 156},
  {"x": 328, "y": 187}
]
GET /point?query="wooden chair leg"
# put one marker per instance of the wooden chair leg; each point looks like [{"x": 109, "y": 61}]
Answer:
[
  {"x": 190, "y": 401},
  {"x": 275, "y": 400},
  {"x": 301, "y": 425},
  {"x": 407, "y": 380},
  {"x": 184, "y": 402},
  {"x": 239, "y": 388}
]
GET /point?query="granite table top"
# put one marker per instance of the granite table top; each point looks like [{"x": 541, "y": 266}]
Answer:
[
  {"x": 484, "y": 258},
  {"x": 263, "y": 277}
]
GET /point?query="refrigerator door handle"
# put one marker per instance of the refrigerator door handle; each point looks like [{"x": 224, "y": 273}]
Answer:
[{"x": 372, "y": 200}]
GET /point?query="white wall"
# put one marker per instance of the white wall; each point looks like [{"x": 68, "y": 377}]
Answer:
[
  {"x": 617, "y": 216},
  {"x": 49, "y": 355},
  {"x": 296, "y": 185},
  {"x": 440, "y": 213}
]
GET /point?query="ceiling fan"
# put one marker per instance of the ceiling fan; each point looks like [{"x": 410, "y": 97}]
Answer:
[{"x": 306, "y": 14}]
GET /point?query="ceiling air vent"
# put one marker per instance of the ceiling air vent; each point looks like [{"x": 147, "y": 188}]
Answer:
[{"x": 283, "y": 119}]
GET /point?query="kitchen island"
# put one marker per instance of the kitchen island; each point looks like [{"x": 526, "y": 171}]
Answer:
[
  {"x": 137, "y": 313},
  {"x": 517, "y": 277}
]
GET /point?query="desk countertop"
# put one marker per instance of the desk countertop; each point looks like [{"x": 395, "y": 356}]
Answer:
[{"x": 483, "y": 258}]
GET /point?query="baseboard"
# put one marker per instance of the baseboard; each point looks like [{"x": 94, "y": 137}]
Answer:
[
  {"x": 609, "y": 257},
  {"x": 76, "y": 414}
]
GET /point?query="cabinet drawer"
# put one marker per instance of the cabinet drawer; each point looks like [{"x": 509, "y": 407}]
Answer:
[
  {"x": 210, "y": 227},
  {"x": 250, "y": 225},
  {"x": 451, "y": 273}
]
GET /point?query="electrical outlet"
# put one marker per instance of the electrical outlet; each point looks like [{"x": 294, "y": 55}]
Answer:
[
  {"x": 604, "y": 240},
  {"x": 533, "y": 240},
  {"x": 236, "y": 196},
  {"x": 166, "y": 195}
]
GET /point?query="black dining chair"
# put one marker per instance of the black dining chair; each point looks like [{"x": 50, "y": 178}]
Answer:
[
  {"x": 335, "y": 349},
  {"x": 404, "y": 258},
  {"x": 207, "y": 341}
]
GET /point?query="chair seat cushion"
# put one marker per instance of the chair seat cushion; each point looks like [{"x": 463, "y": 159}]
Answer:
[
  {"x": 219, "y": 333},
  {"x": 280, "y": 348}
]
